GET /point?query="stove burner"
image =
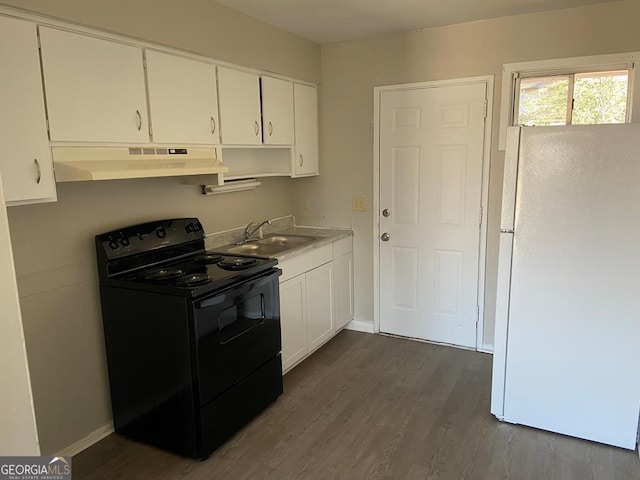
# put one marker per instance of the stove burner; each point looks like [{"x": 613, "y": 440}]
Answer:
[
  {"x": 237, "y": 263},
  {"x": 193, "y": 279},
  {"x": 164, "y": 275},
  {"x": 207, "y": 258}
]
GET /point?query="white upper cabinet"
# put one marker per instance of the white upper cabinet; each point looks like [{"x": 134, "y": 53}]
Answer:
[
  {"x": 94, "y": 88},
  {"x": 277, "y": 111},
  {"x": 183, "y": 100},
  {"x": 306, "y": 154},
  {"x": 240, "y": 121},
  {"x": 25, "y": 157}
]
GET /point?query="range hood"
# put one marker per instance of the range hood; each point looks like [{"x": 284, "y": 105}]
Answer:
[{"x": 77, "y": 164}]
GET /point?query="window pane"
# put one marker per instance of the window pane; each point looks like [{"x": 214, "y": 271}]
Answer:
[
  {"x": 600, "y": 98},
  {"x": 543, "y": 101}
]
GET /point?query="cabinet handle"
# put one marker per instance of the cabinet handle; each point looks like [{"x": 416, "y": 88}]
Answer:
[
  {"x": 38, "y": 171},
  {"x": 213, "y": 125},
  {"x": 139, "y": 119},
  {"x": 301, "y": 159},
  {"x": 257, "y": 127},
  {"x": 270, "y": 128}
]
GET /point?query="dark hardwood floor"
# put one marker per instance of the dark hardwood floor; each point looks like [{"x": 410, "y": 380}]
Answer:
[{"x": 375, "y": 407}]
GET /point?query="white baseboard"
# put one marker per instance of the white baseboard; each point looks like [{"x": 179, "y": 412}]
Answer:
[
  {"x": 360, "y": 326},
  {"x": 86, "y": 442},
  {"x": 486, "y": 348}
]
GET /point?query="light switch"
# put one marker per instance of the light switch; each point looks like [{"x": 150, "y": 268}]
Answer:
[{"x": 359, "y": 204}]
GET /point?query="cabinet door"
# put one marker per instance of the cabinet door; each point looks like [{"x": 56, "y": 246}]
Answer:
[
  {"x": 240, "y": 122},
  {"x": 293, "y": 320},
  {"x": 277, "y": 111},
  {"x": 320, "y": 324},
  {"x": 25, "y": 157},
  {"x": 183, "y": 100},
  {"x": 94, "y": 88},
  {"x": 306, "y": 157},
  {"x": 343, "y": 293}
]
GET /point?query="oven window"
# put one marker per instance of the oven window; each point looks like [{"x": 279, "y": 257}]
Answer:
[{"x": 241, "y": 317}]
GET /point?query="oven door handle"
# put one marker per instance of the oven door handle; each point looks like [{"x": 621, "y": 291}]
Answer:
[
  {"x": 218, "y": 297},
  {"x": 210, "y": 302}
]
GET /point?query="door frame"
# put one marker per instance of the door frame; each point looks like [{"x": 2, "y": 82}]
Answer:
[{"x": 488, "y": 81}]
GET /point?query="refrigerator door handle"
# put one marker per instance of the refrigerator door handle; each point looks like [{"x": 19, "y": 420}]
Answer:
[{"x": 503, "y": 298}]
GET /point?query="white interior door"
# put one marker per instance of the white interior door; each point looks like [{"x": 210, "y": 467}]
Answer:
[{"x": 431, "y": 155}]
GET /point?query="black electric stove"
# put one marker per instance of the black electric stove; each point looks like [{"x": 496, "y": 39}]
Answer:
[
  {"x": 192, "y": 337},
  {"x": 169, "y": 256}
]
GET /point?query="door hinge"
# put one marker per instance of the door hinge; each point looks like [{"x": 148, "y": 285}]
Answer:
[
  {"x": 371, "y": 132},
  {"x": 486, "y": 108},
  {"x": 144, "y": 60},
  {"x": 48, "y": 129},
  {"x": 477, "y": 313},
  {"x": 39, "y": 43},
  {"x": 481, "y": 215}
]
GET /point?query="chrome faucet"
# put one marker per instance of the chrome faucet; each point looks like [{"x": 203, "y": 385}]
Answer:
[{"x": 247, "y": 235}]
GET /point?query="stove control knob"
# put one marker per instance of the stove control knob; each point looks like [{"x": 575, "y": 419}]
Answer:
[
  {"x": 125, "y": 242},
  {"x": 161, "y": 232},
  {"x": 113, "y": 245},
  {"x": 190, "y": 228},
  {"x": 197, "y": 227}
]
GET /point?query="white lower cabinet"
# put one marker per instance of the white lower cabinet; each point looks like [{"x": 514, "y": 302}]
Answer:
[
  {"x": 316, "y": 299},
  {"x": 320, "y": 325},
  {"x": 343, "y": 291},
  {"x": 293, "y": 315}
]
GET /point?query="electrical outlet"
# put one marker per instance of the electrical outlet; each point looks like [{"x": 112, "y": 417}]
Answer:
[
  {"x": 359, "y": 204},
  {"x": 306, "y": 204}
]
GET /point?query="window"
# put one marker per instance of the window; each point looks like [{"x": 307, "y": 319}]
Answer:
[
  {"x": 570, "y": 91},
  {"x": 577, "y": 99}
]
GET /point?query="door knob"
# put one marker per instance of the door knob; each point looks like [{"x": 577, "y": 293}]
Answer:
[
  {"x": 385, "y": 237},
  {"x": 386, "y": 212}
]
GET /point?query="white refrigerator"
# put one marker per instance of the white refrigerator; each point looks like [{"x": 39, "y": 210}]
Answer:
[{"x": 567, "y": 346}]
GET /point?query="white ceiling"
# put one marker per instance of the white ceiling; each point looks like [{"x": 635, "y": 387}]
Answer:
[{"x": 326, "y": 21}]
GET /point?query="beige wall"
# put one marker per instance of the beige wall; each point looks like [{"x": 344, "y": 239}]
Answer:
[
  {"x": 198, "y": 26},
  {"x": 53, "y": 243},
  {"x": 351, "y": 69}
]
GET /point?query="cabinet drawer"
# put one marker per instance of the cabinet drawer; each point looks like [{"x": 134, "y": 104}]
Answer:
[
  {"x": 304, "y": 263},
  {"x": 342, "y": 247}
]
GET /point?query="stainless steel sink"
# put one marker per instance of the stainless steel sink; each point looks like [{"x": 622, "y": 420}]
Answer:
[
  {"x": 288, "y": 241},
  {"x": 268, "y": 246},
  {"x": 256, "y": 249}
]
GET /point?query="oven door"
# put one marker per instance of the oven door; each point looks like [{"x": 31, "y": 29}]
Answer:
[{"x": 236, "y": 331}]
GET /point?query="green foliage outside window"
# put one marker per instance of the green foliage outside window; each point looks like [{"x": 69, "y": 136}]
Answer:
[
  {"x": 543, "y": 101},
  {"x": 600, "y": 99},
  {"x": 597, "y": 98}
]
